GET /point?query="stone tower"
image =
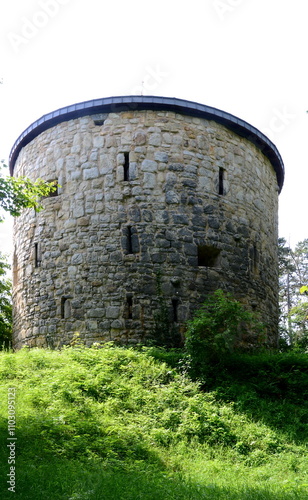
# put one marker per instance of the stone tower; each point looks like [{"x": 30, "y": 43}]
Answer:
[{"x": 151, "y": 190}]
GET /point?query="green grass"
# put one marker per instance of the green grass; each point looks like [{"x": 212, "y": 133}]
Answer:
[{"x": 116, "y": 423}]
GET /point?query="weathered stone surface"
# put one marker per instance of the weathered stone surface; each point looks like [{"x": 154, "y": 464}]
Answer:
[
  {"x": 161, "y": 157},
  {"x": 149, "y": 166},
  {"x": 102, "y": 241},
  {"x": 90, "y": 173},
  {"x": 112, "y": 312}
]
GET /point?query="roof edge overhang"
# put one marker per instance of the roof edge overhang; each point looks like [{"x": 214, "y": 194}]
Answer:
[{"x": 132, "y": 103}]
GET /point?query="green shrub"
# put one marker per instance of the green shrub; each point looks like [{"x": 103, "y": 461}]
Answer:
[{"x": 221, "y": 326}]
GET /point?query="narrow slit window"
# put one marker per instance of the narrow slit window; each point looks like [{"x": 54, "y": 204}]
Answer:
[
  {"x": 175, "y": 305},
  {"x": 129, "y": 240},
  {"x": 65, "y": 308},
  {"x": 37, "y": 255},
  {"x": 221, "y": 176},
  {"x": 126, "y": 167},
  {"x": 15, "y": 269},
  {"x": 254, "y": 259},
  {"x": 129, "y": 307}
]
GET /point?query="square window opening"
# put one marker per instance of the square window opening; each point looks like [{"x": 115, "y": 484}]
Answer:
[
  {"x": 55, "y": 192},
  {"x": 208, "y": 256}
]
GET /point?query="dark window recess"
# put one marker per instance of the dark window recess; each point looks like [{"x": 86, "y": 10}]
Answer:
[
  {"x": 208, "y": 256},
  {"x": 100, "y": 118},
  {"x": 130, "y": 241},
  {"x": 99, "y": 121},
  {"x": 37, "y": 255},
  {"x": 15, "y": 269},
  {"x": 66, "y": 310},
  {"x": 126, "y": 167},
  {"x": 221, "y": 176},
  {"x": 254, "y": 257},
  {"x": 175, "y": 305},
  {"x": 129, "y": 307},
  {"x": 55, "y": 192}
]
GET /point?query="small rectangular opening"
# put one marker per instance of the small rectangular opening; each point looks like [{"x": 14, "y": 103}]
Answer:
[
  {"x": 208, "y": 256},
  {"x": 55, "y": 191},
  {"x": 175, "y": 304},
  {"x": 15, "y": 269},
  {"x": 99, "y": 122},
  {"x": 100, "y": 118},
  {"x": 126, "y": 167},
  {"x": 129, "y": 240},
  {"x": 129, "y": 307},
  {"x": 254, "y": 259},
  {"x": 221, "y": 181},
  {"x": 65, "y": 307},
  {"x": 37, "y": 255}
]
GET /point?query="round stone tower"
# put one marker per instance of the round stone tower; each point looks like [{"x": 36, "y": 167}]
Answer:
[{"x": 159, "y": 202}]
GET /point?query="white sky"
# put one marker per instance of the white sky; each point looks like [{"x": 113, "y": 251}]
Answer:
[{"x": 246, "y": 57}]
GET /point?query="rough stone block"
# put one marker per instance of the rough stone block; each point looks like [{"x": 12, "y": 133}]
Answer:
[
  {"x": 149, "y": 166},
  {"x": 155, "y": 139},
  {"x": 149, "y": 180},
  {"x": 90, "y": 173},
  {"x": 97, "y": 312},
  {"x": 112, "y": 312},
  {"x": 161, "y": 157},
  {"x": 172, "y": 197}
]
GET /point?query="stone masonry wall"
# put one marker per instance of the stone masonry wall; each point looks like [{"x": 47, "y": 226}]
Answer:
[{"x": 141, "y": 193}]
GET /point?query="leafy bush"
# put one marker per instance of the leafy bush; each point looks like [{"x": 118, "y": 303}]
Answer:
[
  {"x": 5, "y": 305},
  {"x": 221, "y": 326}
]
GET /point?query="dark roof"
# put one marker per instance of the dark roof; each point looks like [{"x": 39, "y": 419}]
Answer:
[{"x": 134, "y": 102}]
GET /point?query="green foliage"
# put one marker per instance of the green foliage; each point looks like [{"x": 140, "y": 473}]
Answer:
[
  {"x": 293, "y": 277},
  {"x": 5, "y": 304},
  {"x": 174, "y": 357},
  {"x": 221, "y": 326},
  {"x": 116, "y": 423},
  {"x": 112, "y": 404},
  {"x": 269, "y": 387},
  {"x": 17, "y": 193},
  {"x": 299, "y": 315}
]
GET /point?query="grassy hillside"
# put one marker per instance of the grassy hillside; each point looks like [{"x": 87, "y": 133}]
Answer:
[{"x": 116, "y": 423}]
